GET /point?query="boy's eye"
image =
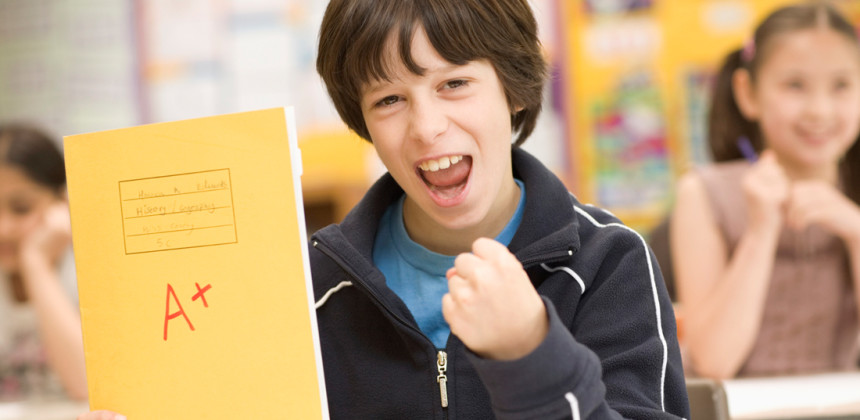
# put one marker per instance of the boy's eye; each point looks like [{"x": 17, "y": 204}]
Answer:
[
  {"x": 795, "y": 85},
  {"x": 387, "y": 101},
  {"x": 841, "y": 85},
  {"x": 21, "y": 209},
  {"x": 453, "y": 84}
]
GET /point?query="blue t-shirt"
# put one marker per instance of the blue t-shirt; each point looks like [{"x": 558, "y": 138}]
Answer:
[{"x": 417, "y": 274}]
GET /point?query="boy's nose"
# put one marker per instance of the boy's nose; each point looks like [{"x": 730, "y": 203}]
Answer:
[{"x": 427, "y": 121}]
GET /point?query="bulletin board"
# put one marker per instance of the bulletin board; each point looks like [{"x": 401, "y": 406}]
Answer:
[
  {"x": 208, "y": 57},
  {"x": 636, "y": 78},
  {"x": 69, "y": 66}
]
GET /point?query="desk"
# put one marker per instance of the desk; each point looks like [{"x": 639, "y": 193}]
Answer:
[
  {"x": 824, "y": 396},
  {"x": 42, "y": 409}
]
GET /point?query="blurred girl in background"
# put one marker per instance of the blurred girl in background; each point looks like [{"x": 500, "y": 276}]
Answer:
[
  {"x": 766, "y": 242},
  {"x": 41, "y": 351}
]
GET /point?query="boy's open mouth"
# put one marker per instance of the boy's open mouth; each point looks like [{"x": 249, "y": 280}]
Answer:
[{"x": 446, "y": 176}]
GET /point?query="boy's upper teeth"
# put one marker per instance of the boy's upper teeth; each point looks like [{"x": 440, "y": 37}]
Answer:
[{"x": 442, "y": 163}]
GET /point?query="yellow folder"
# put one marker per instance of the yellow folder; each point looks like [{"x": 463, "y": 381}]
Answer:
[{"x": 193, "y": 275}]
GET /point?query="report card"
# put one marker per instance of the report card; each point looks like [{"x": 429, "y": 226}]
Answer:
[{"x": 192, "y": 266}]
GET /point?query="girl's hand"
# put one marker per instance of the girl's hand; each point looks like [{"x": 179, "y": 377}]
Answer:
[
  {"x": 766, "y": 188},
  {"x": 50, "y": 238},
  {"x": 101, "y": 415},
  {"x": 491, "y": 304},
  {"x": 820, "y": 203}
]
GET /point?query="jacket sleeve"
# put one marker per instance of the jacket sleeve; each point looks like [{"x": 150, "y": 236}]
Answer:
[{"x": 618, "y": 358}]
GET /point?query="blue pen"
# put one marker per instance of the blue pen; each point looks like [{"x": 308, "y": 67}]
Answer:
[{"x": 746, "y": 148}]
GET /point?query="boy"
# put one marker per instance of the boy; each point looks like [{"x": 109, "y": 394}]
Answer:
[{"x": 562, "y": 315}]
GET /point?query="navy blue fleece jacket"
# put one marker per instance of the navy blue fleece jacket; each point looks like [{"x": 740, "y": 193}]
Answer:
[{"x": 611, "y": 350}]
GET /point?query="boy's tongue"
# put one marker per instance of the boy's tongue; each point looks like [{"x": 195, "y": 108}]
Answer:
[{"x": 447, "y": 180}]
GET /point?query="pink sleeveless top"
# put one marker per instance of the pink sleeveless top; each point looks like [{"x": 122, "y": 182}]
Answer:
[{"x": 810, "y": 318}]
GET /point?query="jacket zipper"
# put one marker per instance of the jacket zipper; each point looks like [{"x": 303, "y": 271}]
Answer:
[
  {"x": 442, "y": 379},
  {"x": 441, "y": 356}
]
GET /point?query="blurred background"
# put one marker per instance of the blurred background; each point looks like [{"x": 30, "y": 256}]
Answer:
[{"x": 625, "y": 111}]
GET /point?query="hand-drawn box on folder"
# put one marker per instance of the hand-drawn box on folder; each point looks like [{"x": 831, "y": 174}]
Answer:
[{"x": 177, "y": 211}]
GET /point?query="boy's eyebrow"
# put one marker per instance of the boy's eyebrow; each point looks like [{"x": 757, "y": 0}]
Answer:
[{"x": 378, "y": 84}]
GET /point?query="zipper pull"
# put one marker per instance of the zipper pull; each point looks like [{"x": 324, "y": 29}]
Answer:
[{"x": 442, "y": 367}]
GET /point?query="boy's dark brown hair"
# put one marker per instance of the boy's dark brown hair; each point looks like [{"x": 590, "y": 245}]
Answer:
[
  {"x": 726, "y": 122},
  {"x": 354, "y": 33}
]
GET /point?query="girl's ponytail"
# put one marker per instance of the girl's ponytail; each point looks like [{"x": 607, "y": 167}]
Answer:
[{"x": 726, "y": 123}]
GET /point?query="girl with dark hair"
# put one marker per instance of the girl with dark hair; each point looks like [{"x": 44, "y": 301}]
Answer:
[
  {"x": 41, "y": 350},
  {"x": 766, "y": 241}
]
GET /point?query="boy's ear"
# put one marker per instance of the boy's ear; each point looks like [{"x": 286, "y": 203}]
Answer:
[{"x": 742, "y": 88}]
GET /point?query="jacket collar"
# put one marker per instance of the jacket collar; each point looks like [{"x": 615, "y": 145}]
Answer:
[{"x": 550, "y": 225}]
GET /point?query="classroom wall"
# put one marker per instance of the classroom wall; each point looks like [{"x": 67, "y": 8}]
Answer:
[
  {"x": 84, "y": 65},
  {"x": 68, "y": 65},
  {"x": 76, "y": 66},
  {"x": 624, "y": 114}
]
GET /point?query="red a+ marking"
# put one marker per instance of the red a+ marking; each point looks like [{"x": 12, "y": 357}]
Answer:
[
  {"x": 200, "y": 293},
  {"x": 168, "y": 316}
]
